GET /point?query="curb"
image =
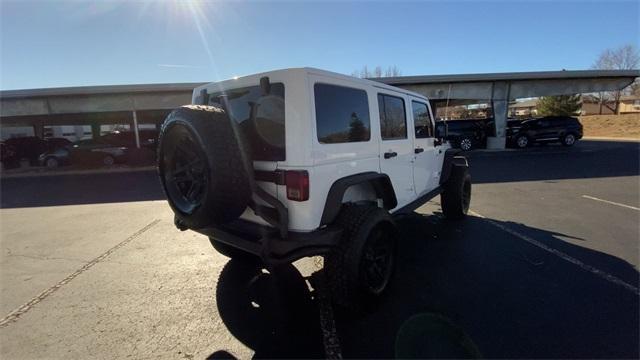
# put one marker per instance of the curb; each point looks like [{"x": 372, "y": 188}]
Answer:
[
  {"x": 76, "y": 172},
  {"x": 604, "y": 138}
]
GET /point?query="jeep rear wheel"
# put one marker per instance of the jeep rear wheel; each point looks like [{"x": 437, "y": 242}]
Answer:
[
  {"x": 203, "y": 166},
  {"x": 359, "y": 269},
  {"x": 456, "y": 197}
]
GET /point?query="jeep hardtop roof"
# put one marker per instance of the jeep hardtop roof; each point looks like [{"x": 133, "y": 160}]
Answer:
[{"x": 303, "y": 71}]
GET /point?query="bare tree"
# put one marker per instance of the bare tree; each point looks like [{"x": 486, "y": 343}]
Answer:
[
  {"x": 622, "y": 58},
  {"x": 392, "y": 71},
  {"x": 376, "y": 72}
]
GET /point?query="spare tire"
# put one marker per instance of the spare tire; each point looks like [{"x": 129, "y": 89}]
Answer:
[{"x": 204, "y": 166}]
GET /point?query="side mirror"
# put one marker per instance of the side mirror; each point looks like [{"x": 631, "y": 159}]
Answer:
[
  {"x": 440, "y": 133},
  {"x": 441, "y": 130}
]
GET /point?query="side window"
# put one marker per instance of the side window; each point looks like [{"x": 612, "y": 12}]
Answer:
[
  {"x": 393, "y": 119},
  {"x": 422, "y": 120},
  {"x": 342, "y": 114}
]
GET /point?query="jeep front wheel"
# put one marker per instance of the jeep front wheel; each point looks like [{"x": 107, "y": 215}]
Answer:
[
  {"x": 359, "y": 269},
  {"x": 456, "y": 197}
]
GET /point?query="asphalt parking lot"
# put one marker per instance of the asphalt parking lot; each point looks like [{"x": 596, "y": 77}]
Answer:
[{"x": 546, "y": 266}]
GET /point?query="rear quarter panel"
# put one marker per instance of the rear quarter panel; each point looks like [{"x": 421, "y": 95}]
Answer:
[{"x": 328, "y": 162}]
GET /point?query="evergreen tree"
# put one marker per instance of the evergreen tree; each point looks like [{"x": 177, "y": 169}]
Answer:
[
  {"x": 357, "y": 130},
  {"x": 563, "y": 105}
]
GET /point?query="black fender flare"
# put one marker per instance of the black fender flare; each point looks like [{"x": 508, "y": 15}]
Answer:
[
  {"x": 451, "y": 159},
  {"x": 381, "y": 185}
]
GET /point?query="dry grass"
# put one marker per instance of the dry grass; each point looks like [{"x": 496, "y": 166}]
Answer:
[{"x": 622, "y": 126}]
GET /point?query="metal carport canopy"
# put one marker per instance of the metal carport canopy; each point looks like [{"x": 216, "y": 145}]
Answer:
[
  {"x": 500, "y": 88},
  {"x": 18, "y": 106},
  {"x": 522, "y": 84},
  {"x": 92, "y": 105}
]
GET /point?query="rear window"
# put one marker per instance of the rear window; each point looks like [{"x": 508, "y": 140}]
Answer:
[
  {"x": 342, "y": 114},
  {"x": 265, "y": 129}
]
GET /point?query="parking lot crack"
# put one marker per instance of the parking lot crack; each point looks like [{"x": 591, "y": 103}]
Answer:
[
  {"x": 586, "y": 267},
  {"x": 38, "y": 257},
  {"x": 15, "y": 314}
]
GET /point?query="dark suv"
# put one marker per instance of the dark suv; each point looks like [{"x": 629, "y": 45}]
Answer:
[
  {"x": 564, "y": 129},
  {"x": 468, "y": 134}
]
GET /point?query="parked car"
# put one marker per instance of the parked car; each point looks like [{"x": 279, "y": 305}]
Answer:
[
  {"x": 468, "y": 134},
  {"x": 8, "y": 156},
  {"x": 148, "y": 138},
  {"x": 55, "y": 158},
  {"x": 115, "y": 147},
  {"x": 103, "y": 150},
  {"x": 316, "y": 173},
  {"x": 57, "y": 143},
  {"x": 31, "y": 147},
  {"x": 515, "y": 122},
  {"x": 564, "y": 129},
  {"x": 27, "y": 147}
]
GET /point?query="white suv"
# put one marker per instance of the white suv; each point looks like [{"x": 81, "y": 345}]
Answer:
[{"x": 302, "y": 162}]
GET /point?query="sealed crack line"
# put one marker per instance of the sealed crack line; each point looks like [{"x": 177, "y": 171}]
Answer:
[
  {"x": 15, "y": 314},
  {"x": 586, "y": 267},
  {"x": 330, "y": 340}
]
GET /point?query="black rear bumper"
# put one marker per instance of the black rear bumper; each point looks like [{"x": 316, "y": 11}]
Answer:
[{"x": 267, "y": 243}]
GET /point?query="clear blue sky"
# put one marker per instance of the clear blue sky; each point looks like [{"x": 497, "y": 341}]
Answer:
[{"x": 76, "y": 43}]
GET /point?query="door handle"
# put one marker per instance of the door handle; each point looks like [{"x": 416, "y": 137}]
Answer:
[
  {"x": 390, "y": 154},
  {"x": 418, "y": 150}
]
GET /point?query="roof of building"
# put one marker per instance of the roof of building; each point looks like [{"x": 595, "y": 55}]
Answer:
[
  {"x": 594, "y": 99},
  {"x": 99, "y": 90},
  {"x": 510, "y": 76},
  {"x": 524, "y": 104},
  {"x": 401, "y": 80},
  {"x": 629, "y": 97}
]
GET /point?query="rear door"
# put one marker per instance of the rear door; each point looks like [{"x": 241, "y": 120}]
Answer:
[
  {"x": 547, "y": 129},
  {"x": 425, "y": 173},
  {"x": 396, "y": 147}
]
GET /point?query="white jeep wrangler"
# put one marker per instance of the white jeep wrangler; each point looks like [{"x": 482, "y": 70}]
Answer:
[{"x": 303, "y": 162}]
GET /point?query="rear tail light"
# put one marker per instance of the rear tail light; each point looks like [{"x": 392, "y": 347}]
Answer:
[{"x": 297, "y": 185}]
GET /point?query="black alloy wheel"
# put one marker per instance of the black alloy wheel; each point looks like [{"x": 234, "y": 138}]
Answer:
[
  {"x": 377, "y": 260},
  {"x": 186, "y": 172},
  {"x": 466, "y": 144},
  {"x": 569, "y": 140},
  {"x": 522, "y": 141}
]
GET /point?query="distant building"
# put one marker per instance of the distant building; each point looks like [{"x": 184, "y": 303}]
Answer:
[
  {"x": 526, "y": 108},
  {"x": 591, "y": 105},
  {"x": 629, "y": 104}
]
